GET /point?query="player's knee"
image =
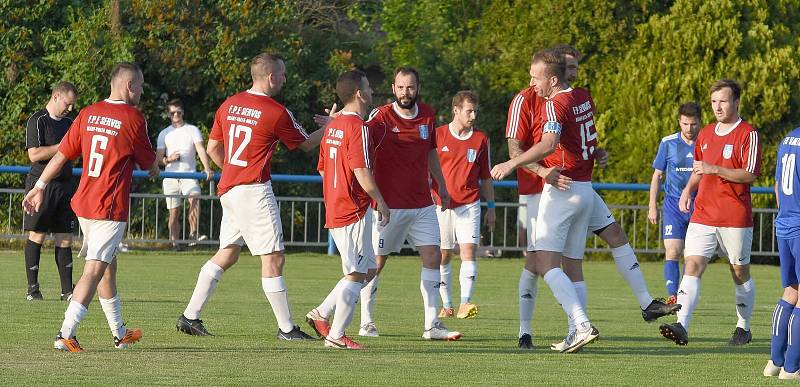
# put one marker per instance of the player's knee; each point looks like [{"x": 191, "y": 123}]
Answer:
[
  {"x": 614, "y": 235},
  {"x": 740, "y": 273},
  {"x": 37, "y": 237},
  {"x": 672, "y": 254},
  {"x": 790, "y": 294},
  {"x": 693, "y": 266},
  {"x": 446, "y": 254}
]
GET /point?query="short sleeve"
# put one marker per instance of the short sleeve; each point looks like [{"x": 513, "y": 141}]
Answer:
[
  {"x": 321, "y": 159},
  {"x": 698, "y": 150},
  {"x": 34, "y": 132},
  {"x": 289, "y": 130},
  {"x": 554, "y": 116},
  {"x": 196, "y": 135},
  {"x": 660, "y": 161},
  {"x": 519, "y": 118},
  {"x": 484, "y": 160},
  {"x": 358, "y": 147},
  {"x": 142, "y": 149},
  {"x": 216, "y": 130},
  {"x": 71, "y": 143},
  {"x": 751, "y": 153},
  {"x": 160, "y": 142}
]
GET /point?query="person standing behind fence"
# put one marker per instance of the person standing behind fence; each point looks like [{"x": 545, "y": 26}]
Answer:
[
  {"x": 44, "y": 132},
  {"x": 675, "y": 158},
  {"x": 176, "y": 149},
  {"x": 111, "y": 137}
]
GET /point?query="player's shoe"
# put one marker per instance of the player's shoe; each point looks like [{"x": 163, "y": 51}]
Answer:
[
  {"x": 191, "y": 327},
  {"x": 771, "y": 370},
  {"x": 468, "y": 310},
  {"x": 194, "y": 238},
  {"x": 559, "y": 346},
  {"x": 131, "y": 336},
  {"x": 67, "y": 345},
  {"x": 440, "y": 332},
  {"x": 783, "y": 375},
  {"x": 525, "y": 341},
  {"x": 66, "y": 297},
  {"x": 318, "y": 323},
  {"x": 671, "y": 300},
  {"x": 343, "y": 342},
  {"x": 33, "y": 293},
  {"x": 447, "y": 312},
  {"x": 740, "y": 337},
  {"x": 580, "y": 338},
  {"x": 675, "y": 332},
  {"x": 294, "y": 334},
  {"x": 368, "y": 330},
  {"x": 658, "y": 309}
]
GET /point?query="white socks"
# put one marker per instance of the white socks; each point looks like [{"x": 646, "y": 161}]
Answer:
[
  {"x": 745, "y": 299},
  {"x": 275, "y": 290},
  {"x": 345, "y": 306},
  {"x": 565, "y": 293},
  {"x": 429, "y": 279},
  {"x": 72, "y": 317},
  {"x": 688, "y": 294},
  {"x": 328, "y": 305},
  {"x": 444, "y": 287},
  {"x": 113, "y": 310},
  {"x": 527, "y": 300},
  {"x": 466, "y": 277},
  {"x": 580, "y": 290},
  {"x": 207, "y": 280},
  {"x": 368, "y": 296},
  {"x": 628, "y": 267}
]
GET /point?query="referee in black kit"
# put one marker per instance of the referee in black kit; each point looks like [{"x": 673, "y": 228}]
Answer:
[{"x": 45, "y": 130}]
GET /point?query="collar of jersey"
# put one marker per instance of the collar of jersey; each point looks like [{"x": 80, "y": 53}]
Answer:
[
  {"x": 350, "y": 113},
  {"x": 411, "y": 117},
  {"x": 257, "y": 93},
  {"x": 718, "y": 133},
  {"x": 567, "y": 90},
  {"x": 455, "y": 133},
  {"x": 115, "y": 101}
]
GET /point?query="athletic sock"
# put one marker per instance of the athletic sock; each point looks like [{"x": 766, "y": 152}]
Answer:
[
  {"x": 275, "y": 290},
  {"x": 328, "y": 305},
  {"x": 792, "y": 363},
  {"x": 345, "y": 306},
  {"x": 112, "y": 307},
  {"x": 745, "y": 299},
  {"x": 580, "y": 290},
  {"x": 688, "y": 294},
  {"x": 527, "y": 300},
  {"x": 33, "y": 253},
  {"x": 429, "y": 279},
  {"x": 565, "y": 293},
  {"x": 467, "y": 276},
  {"x": 672, "y": 275},
  {"x": 72, "y": 318},
  {"x": 780, "y": 332},
  {"x": 207, "y": 280},
  {"x": 369, "y": 294},
  {"x": 444, "y": 287},
  {"x": 64, "y": 264},
  {"x": 628, "y": 267}
]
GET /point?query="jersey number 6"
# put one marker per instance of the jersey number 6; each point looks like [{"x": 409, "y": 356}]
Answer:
[{"x": 99, "y": 143}]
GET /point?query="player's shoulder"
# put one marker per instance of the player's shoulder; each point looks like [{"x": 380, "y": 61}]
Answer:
[
  {"x": 426, "y": 110},
  {"x": 37, "y": 116},
  {"x": 746, "y": 127},
  {"x": 379, "y": 112},
  {"x": 670, "y": 138},
  {"x": 479, "y": 135}
]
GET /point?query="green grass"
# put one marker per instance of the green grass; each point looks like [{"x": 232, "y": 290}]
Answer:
[{"x": 156, "y": 286}]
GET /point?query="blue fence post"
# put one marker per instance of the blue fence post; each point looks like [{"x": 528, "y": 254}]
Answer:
[{"x": 331, "y": 244}]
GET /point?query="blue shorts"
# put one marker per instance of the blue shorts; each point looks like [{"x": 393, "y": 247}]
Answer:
[
  {"x": 789, "y": 251},
  {"x": 675, "y": 221}
]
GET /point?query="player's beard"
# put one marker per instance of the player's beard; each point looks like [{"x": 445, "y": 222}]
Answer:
[{"x": 406, "y": 102}]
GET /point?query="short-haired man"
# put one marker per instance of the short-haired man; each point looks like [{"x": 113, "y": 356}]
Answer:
[
  {"x": 45, "y": 130},
  {"x": 247, "y": 128},
  {"x": 727, "y": 160},
  {"x": 111, "y": 137},
  {"x": 674, "y": 159},
  {"x": 177, "y": 147},
  {"x": 464, "y": 157},
  {"x": 345, "y": 163}
]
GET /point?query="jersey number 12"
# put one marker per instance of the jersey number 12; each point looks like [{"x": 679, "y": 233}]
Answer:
[{"x": 235, "y": 132}]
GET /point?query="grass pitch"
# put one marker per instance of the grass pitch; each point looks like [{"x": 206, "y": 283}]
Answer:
[{"x": 156, "y": 286}]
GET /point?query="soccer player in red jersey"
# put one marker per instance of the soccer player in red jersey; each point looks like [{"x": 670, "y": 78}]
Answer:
[
  {"x": 345, "y": 163},
  {"x": 111, "y": 137},
  {"x": 247, "y": 128},
  {"x": 464, "y": 157},
  {"x": 727, "y": 160}
]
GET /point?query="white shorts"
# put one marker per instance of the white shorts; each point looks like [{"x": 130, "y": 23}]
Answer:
[
  {"x": 419, "y": 225},
  {"x": 601, "y": 215},
  {"x": 532, "y": 210},
  {"x": 734, "y": 243},
  {"x": 179, "y": 187},
  {"x": 354, "y": 243},
  {"x": 522, "y": 212},
  {"x": 250, "y": 215},
  {"x": 101, "y": 238},
  {"x": 563, "y": 220},
  {"x": 461, "y": 224}
]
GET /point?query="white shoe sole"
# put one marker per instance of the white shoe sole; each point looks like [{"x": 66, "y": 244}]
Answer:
[{"x": 582, "y": 343}]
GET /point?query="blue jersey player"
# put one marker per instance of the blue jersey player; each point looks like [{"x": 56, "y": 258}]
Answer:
[
  {"x": 674, "y": 159},
  {"x": 785, "y": 354}
]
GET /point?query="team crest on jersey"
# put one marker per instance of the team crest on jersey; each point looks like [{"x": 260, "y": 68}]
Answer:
[
  {"x": 727, "y": 151},
  {"x": 423, "y": 131},
  {"x": 472, "y": 154}
]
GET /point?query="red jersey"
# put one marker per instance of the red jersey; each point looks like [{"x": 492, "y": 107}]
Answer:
[
  {"x": 110, "y": 136},
  {"x": 524, "y": 125},
  {"x": 571, "y": 113},
  {"x": 344, "y": 148},
  {"x": 722, "y": 203},
  {"x": 464, "y": 161},
  {"x": 402, "y": 145},
  {"x": 249, "y": 125}
]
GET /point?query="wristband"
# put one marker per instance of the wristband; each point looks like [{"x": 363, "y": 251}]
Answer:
[
  {"x": 40, "y": 184},
  {"x": 490, "y": 205}
]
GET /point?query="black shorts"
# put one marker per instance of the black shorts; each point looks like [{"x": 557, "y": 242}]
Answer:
[{"x": 55, "y": 214}]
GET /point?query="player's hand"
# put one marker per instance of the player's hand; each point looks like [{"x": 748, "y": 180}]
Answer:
[
  {"x": 601, "y": 156},
  {"x": 383, "y": 213},
  {"x": 323, "y": 120},
  {"x": 209, "y": 174},
  {"x": 554, "y": 177},
  {"x": 490, "y": 218},
  {"x": 702, "y": 167},
  {"x": 500, "y": 171},
  {"x": 652, "y": 215},
  {"x": 32, "y": 201},
  {"x": 444, "y": 197},
  {"x": 154, "y": 170},
  {"x": 685, "y": 202},
  {"x": 175, "y": 156}
]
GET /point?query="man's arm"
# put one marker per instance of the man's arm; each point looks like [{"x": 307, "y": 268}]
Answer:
[
  {"x": 655, "y": 185},
  {"x": 216, "y": 151},
  {"x": 487, "y": 191},
  {"x": 367, "y": 182},
  {"x": 515, "y": 149},
  {"x": 41, "y": 153},
  {"x": 686, "y": 195},
  {"x": 33, "y": 199},
  {"x": 729, "y": 174},
  {"x": 777, "y": 196},
  {"x": 160, "y": 156},
  {"x": 312, "y": 141},
  {"x": 536, "y": 153},
  {"x": 435, "y": 170},
  {"x": 201, "y": 152}
]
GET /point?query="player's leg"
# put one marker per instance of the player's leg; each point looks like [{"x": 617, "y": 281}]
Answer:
[
  {"x": 673, "y": 249},
  {"x": 736, "y": 244},
  {"x": 528, "y": 280},
  {"x": 173, "y": 187},
  {"x": 63, "y": 257},
  {"x": 447, "y": 231},
  {"x": 109, "y": 299},
  {"x": 468, "y": 234},
  {"x": 791, "y": 365},
  {"x": 779, "y": 338},
  {"x": 274, "y": 287},
  {"x": 191, "y": 188},
  {"x": 573, "y": 268},
  {"x": 522, "y": 220},
  {"x": 33, "y": 251}
]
